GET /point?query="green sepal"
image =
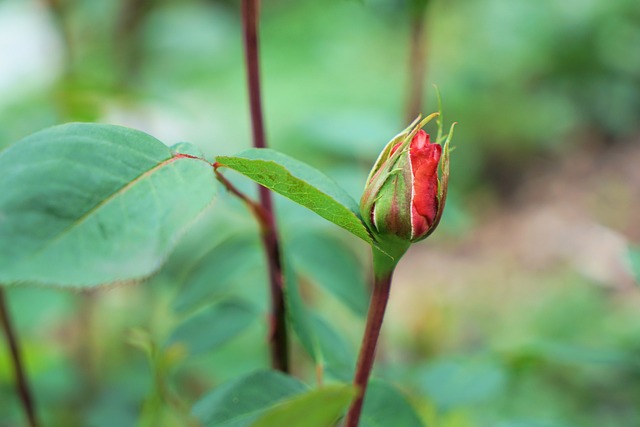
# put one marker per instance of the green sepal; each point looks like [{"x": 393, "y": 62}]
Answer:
[
  {"x": 405, "y": 137},
  {"x": 392, "y": 207}
]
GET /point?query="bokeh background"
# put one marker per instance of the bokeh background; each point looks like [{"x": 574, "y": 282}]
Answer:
[{"x": 523, "y": 310}]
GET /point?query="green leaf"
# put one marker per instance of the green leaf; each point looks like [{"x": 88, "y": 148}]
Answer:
[
  {"x": 328, "y": 263},
  {"x": 316, "y": 408},
  {"x": 240, "y": 402},
  {"x": 188, "y": 149},
  {"x": 161, "y": 403},
  {"x": 451, "y": 383},
  {"x": 89, "y": 204},
  {"x": 324, "y": 344},
  {"x": 302, "y": 184},
  {"x": 298, "y": 315},
  {"x": 214, "y": 273},
  {"x": 336, "y": 354},
  {"x": 634, "y": 257},
  {"x": 385, "y": 406},
  {"x": 213, "y": 327}
]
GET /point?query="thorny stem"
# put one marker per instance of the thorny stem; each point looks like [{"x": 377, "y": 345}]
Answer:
[
  {"x": 22, "y": 387},
  {"x": 278, "y": 339},
  {"x": 417, "y": 62},
  {"x": 377, "y": 307}
]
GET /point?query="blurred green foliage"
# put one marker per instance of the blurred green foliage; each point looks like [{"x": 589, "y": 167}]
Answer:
[{"x": 527, "y": 81}]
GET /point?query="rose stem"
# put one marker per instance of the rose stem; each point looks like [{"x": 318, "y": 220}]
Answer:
[
  {"x": 377, "y": 307},
  {"x": 127, "y": 40},
  {"x": 417, "y": 60},
  {"x": 22, "y": 387},
  {"x": 60, "y": 11},
  {"x": 278, "y": 340}
]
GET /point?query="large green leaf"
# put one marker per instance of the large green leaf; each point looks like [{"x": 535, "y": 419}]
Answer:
[
  {"x": 214, "y": 326},
  {"x": 240, "y": 402},
  {"x": 316, "y": 408},
  {"x": 298, "y": 314},
  {"x": 302, "y": 184},
  {"x": 88, "y": 204},
  {"x": 337, "y": 356},
  {"x": 325, "y": 345},
  {"x": 331, "y": 265},
  {"x": 215, "y": 272},
  {"x": 385, "y": 406}
]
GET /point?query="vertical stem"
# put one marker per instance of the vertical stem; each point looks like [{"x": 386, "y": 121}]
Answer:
[
  {"x": 127, "y": 40},
  {"x": 278, "y": 339},
  {"x": 60, "y": 10},
  {"x": 417, "y": 63},
  {"x": 250, "y": 12},
  {"x": 22, "y": 387},
  {"x": 377, "y": 307}
]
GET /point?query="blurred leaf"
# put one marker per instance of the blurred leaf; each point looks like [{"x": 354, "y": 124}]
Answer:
[
  {"x": 32, "y": 307},
  {"x": 329, "y": 264},
  {"x": 302, "y": 184},
  {"x": 215, "y": 272},
  {"x": 240, "y": 402},
  {"x": 385, "y": 406},
  {"x": 455, "y": 383},
  {"x": 316, "y": 408},
  {"x": 110, "y": 409},
  {"x": 213, "y": 327},
  {"x": 88, "y": 204},
  {"x": 530, "y": 423},
  {"x": 336, "y": 354},
  {"x": 323, "y": 343},
  {"x": 299, "y": 316},
  {"x": 560, "y": 352},
  {"x": 160, "y": 404},
  {"x": 634, "y": 257},
  {"x": 350, "y": 133}
]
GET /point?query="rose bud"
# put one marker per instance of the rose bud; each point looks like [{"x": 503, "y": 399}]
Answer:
[{"x": 404, "y": 196}]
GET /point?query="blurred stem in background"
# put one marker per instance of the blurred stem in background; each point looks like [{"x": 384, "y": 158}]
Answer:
[
  {"x": 22, "y": 386},
  {"x": 417, "y": 59},
  {"x": 128, "y": 49},
  {"x": 278, "y": 339},
  {"x": 59, "y": 10}
]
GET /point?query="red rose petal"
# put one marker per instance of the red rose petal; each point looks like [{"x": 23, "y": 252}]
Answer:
[{"x": 424, "y": 164}]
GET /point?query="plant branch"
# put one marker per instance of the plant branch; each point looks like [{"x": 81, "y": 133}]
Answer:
[
  {"x": 22, "y": 387},
  {"x": 278, "y": 339},
  {"x": 377, "y": 307},
  {"x": 59, "y": 10},
  {"x": 254, "y": 207},
  {"x": 417, "y": 61},
  {"x": 127, "y": 40}
]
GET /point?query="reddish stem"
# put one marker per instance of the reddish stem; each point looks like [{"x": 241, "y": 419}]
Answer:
[
  {"x": 128, "y": 40},
  {"x": 417, "y": 64},
  {"x": 22, "y": 386},
  {"x": 278, "y": 339},
  {"x": 377, "y": 307}
]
